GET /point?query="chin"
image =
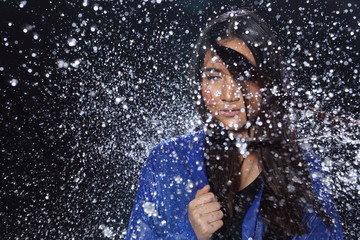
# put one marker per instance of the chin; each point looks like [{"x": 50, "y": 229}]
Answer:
[{"x": 233, "y": 126}]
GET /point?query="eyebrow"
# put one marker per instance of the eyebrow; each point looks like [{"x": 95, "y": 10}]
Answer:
[{"x": 210, "y": 70}]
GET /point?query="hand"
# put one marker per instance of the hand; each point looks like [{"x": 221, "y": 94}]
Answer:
[{"x": 204, "y": 213}]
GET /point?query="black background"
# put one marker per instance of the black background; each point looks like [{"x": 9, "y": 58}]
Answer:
[{"x": 73, "y": 139}]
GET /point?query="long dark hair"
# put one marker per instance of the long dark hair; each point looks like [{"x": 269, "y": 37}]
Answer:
[{"x": 287, "y": 184}]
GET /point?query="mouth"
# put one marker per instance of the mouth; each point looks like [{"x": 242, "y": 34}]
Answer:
[{"x": 230, "y": 112}]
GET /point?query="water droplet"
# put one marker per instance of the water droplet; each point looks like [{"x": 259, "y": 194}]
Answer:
[
  {"x": 72, "y": 42},
  {"x": 22, "y": 4},
  {"x": 14, "y": 82},
  {"x": 178, "y": 179},
  {"x": 149, "y": 209},
  {"x": 85, "y": 3}
]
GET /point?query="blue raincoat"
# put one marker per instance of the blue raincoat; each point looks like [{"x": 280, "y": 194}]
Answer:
[{"x": 172, "y": 175}]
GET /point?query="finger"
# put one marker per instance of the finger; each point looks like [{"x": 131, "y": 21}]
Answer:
[
  {"x": 207, "y": 208},
  {"x": 203, "y": 199},
  {"x": 214, "y": 216},
  {"x": 202, "y": 191},
  {"x": 214, "y": 226}
]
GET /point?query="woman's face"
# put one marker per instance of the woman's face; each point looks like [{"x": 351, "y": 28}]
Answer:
[{"x": 223, "y": 96}]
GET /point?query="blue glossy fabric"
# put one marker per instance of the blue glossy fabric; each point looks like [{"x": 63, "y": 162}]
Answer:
[{"x": 174, "y": 172}]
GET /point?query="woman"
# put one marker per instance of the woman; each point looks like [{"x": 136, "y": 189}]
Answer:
[{"x": 244, "y": 176}]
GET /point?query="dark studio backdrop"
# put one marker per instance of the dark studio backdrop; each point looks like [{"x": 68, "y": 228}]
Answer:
[{"x": 89, "y": 87}]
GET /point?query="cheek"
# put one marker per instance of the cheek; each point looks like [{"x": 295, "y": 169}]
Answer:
[
  {"x": 256, "y": 97},
  {"x": 206, "y": 93}
]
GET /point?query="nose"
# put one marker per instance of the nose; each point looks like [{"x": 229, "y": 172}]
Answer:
[{"x": 230, "y": 91}]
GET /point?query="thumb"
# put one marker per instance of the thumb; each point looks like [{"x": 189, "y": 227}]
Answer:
[{"x": 202, "y": 191}]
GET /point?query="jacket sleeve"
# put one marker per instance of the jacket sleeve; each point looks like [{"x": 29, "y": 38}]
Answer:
[
  {"x": 317, "y": 228},
  {"x": 143, "y": 220},
  {"x": 153, "y": 215}
]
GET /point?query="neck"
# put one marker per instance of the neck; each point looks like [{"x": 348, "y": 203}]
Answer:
[
  {"x": 244, "y": 133},
  {"x": 250, "y": 170}
]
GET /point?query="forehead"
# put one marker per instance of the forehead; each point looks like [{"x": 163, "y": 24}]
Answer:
[
  {"x": 233, "y": 43},
  {"x": 212, "y": 61}
]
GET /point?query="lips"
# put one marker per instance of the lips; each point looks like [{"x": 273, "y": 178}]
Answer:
[{"x": 230, "y": 112}]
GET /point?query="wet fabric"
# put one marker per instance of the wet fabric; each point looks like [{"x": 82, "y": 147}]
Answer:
[{"x": 173, "y": 173}]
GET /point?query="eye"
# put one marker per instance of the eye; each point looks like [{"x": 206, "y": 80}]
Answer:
[{"x": 214, "y": 78}]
